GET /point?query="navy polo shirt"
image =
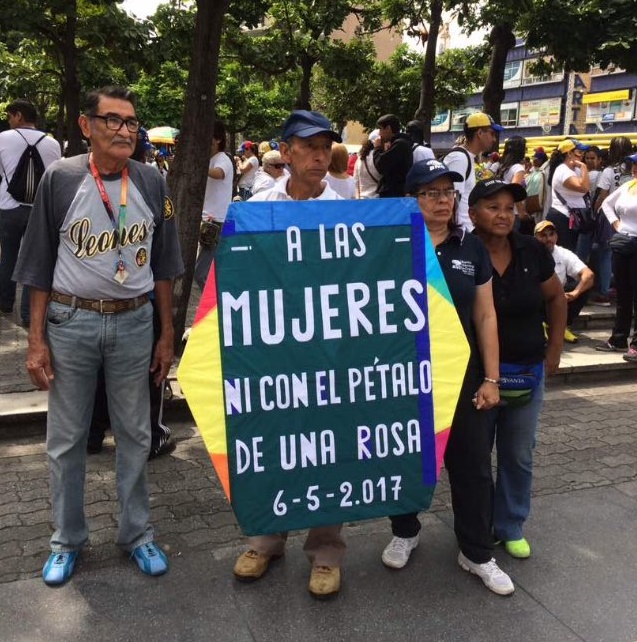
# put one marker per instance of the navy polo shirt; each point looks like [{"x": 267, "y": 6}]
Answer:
[
  {"x": 519, "y": 302},
  {"x": 466, "y": 265}
]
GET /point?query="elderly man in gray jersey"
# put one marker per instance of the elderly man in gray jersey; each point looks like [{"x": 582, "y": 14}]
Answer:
[{"x": 100, "y": 241}]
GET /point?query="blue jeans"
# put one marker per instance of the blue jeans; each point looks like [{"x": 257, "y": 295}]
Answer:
[
  {"x": 13, "y": 223},
  {"x": 81, "y": 342},
  {"x": 604, "y": 266},
  {"x": 516, "y": 428}
]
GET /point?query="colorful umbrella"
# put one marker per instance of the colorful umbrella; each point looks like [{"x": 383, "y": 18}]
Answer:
[{"x": 165, "y": 135}]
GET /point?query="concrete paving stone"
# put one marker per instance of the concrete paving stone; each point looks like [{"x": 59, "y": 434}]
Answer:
[
  {"x": 171, "y": 499},
  {"x": 158, "y": 513},
  {"x": 38, "y": 546},
  {"x": 103, "y": 536},
  {"x": 628, "y": 488},
  {"x": 101, "y": 508},
  {"x": 9, "y": 521},
  {"x": 10, "y": 549},
  {"x": 547, "y": 471},
  {"x": 8, "y": 478},
  {"x": 34, "y": 517},
  {"x": 615, "y": 440},
  {"x": 583, "y": 477},
  {"x": 619, "y": 460},
  {"x": 184, "y": 525},
  {"x": 619, "y": 473}
]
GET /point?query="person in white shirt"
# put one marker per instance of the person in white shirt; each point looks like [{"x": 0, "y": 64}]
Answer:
[
  {"x": 269, "y": 173},
  {"x": 576, "y": 278},
  {"x": 247, "y": 168},
  {"x": 570, "y": 182},
  {"x": 216, "y": 201},
  {"x": 337, "y": 177},
  {"x": 480, "y": 137},
  {"x": 14, "y": 216},
  {"x": 366, "y": 175},
  {"x": 620, "y": 209},
  {"x": 419, "y": 149},
  {"x": 306, "y": 147}
]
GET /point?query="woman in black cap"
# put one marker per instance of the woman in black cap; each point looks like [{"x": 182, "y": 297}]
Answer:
[
  {"x": 467, "y": 269},
  {"x": 524, "y": 284}
]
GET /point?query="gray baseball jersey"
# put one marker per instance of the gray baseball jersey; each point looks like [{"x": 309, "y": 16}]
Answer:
[{"x": 70, "y": 244}]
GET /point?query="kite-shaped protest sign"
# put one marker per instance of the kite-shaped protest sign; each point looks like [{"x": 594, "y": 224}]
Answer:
[{"x": 325, "y": 362}]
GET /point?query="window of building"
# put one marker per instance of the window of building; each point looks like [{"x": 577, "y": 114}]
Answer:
[
  {"x": 509, "y": 114},
  {"x": 529, "y": 78}
]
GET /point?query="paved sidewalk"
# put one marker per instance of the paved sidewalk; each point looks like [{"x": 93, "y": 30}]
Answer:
[{"x": 579, "y": 585}]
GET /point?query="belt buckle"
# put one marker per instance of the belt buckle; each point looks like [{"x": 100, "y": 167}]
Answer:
[{"x": 102, "y": 310}]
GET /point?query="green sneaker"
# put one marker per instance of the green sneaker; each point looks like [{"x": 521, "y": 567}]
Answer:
[{"x": 518, "y": 548}]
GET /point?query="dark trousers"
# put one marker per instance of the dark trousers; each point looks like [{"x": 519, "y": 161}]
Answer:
[
  {"x": 100, "y": 421},
  {"x": 625, "y": 272},
  {"x": 574, "y": 307},
  {"x": 468, "y": 462},
  {"x": 565, "y": 237},
  {"x": 13, "y": 223}
]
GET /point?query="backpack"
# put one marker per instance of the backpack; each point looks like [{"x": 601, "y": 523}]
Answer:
[{"x": 28, "y": 172}]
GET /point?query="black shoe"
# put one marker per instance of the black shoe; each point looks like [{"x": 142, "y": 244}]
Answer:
[
  {"x": 607, "y": 346},
  {"x": 164, "y": 446}
]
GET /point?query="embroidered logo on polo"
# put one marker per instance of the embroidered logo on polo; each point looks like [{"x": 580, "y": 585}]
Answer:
[
  {"x": 466, "y": 267},
  {"x": 88, "y": 245},
  {"x": 141, "y": 257},
  {"x": 169, "y": 210}
]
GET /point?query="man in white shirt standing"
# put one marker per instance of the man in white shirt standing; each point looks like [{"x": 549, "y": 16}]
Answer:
[
  {"x": 576, "y": 278},
  {"x": 307, "y": 149},
  {"x": 217, "y": 198},
  {"x": 480, "y": 137},
  {"x": 14, "y": 216}
]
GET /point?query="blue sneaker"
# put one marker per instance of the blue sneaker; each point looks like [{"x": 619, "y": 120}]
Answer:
[
  {"x": 59, "y": 567},
  {"x": 150, "y": 559}
]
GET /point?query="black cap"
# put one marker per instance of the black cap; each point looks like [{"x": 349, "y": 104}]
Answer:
[
  {"x": 483, "y": 189},
  {"x": 424, "y": 172}
]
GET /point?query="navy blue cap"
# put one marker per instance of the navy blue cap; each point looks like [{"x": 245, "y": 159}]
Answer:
[
  {"x": 632, "y": 158},
  {"x": 303, "y": 123},
  {"x": 425, "y": 172},
  {"x": 484, "y": 189}
]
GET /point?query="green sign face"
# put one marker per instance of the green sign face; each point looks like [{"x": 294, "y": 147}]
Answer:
[{"x": 322, "y": 311}]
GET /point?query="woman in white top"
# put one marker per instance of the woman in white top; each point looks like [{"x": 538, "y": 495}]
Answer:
[
  {"x": 620, "y": 209},
  {"x": 337, "y": 177},
  {"x": 568, "y": 177},
  {"x": 366, "y": 175}
]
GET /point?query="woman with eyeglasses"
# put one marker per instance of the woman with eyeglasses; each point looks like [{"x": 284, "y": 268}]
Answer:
[
  {"x": 467, "y": 268},
  {"x": 269, "y": 173}
]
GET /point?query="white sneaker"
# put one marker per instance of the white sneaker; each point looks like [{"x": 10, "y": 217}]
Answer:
[
  {"x": 397, "y": 553},
  {"x": 490, "y": 573}
]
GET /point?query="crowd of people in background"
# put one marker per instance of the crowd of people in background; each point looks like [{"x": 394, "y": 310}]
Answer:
[{"x": 535, "y": 235}]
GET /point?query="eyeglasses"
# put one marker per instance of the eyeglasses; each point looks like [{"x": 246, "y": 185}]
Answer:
[
  {"x": 436, "y": 194},
  {"x": 114, "y": 123},
  {"x": 277, "y": 165}
]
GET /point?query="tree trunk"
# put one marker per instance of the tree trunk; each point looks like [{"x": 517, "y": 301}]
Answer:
[
  {"x": 188, "y": 172},
  {"x": 303, "y": 100},
  {"x": 425, "y": 112},
  {"x": 502, "y": 41},
  {"x": 71, "y": 83}
]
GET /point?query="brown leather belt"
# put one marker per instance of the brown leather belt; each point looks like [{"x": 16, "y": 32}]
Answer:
[{"x": 103, "y": 306}]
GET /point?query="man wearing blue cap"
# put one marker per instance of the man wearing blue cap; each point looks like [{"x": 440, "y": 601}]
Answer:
[{"x": 306, "y": 146}]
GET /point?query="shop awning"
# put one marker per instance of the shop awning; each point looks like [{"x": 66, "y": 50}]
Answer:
[{"x": 606, "y": 96}]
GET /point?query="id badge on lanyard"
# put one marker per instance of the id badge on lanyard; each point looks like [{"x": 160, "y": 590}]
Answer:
[{"x": 121, "y": 273}]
